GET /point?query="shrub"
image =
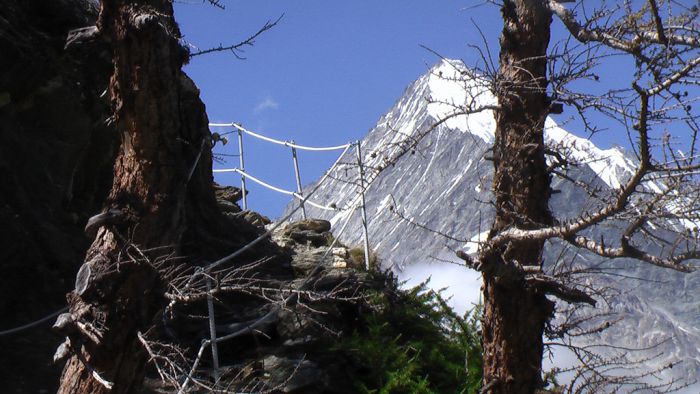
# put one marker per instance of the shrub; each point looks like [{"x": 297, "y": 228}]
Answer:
[
  {"x": 413, "y": 342},
  {"x": 357, "y": 258}
]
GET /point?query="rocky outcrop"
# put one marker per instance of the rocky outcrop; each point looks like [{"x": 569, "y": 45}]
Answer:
[
  {"x": 56, "y": 157},
  {"x": 313, "y": 231},
  {"x": 298, "y": 357},
  {"x": 309, "y": 300},
  {"x": 228, "y": 197}
]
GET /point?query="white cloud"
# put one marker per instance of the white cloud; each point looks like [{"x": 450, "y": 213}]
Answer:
[
  {"x": 267, "y": 103},
  {"x": 461, "y": 284}
]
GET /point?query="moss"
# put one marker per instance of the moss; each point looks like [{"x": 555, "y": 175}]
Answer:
[
  {"x": 357, "y": 258},
  {"x": 412, "y": 342}
]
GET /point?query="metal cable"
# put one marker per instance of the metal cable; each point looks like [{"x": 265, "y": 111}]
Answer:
[
  {"x": 279, "y": 142},
  {"x": 267, "y": 233},
  {"x": 34, "y": 323},
  {"x": 277, "y": 189},
  {"x": 274, "y": 310}
]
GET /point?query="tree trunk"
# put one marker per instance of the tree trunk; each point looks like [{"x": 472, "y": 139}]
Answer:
[
  {"x": 515, "y": 314},
  {"x": 160, "y": 199}
]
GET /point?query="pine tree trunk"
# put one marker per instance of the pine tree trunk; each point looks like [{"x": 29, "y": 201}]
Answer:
[
  {"x": 161, "y": 196},
  {"x": 514, "y": 314}
]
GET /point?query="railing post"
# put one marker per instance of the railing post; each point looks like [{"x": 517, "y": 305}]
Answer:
[
  {"x": 362, "y": 196},
  {"x": 242, "y": 166},
  {"x": 298, "y": 176},
  {"x": 212, "y": 331}
]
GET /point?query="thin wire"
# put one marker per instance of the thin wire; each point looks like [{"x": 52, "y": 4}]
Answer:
[
  {"x": 196, "y": 161},
  {"x": 335, "y": 164},
  {"x": 313, "y": 204},
  {"x": 194, "y": 366},
  {"x": 279, "y": 142},
  {"x": 277, "y": 189},
  {"x": 34, "y": 323},
  {"x": 267, "y": 233},
  {"x": 212, "y": 330},
  {"x": 337, "y": 235},
  {"x": 258, "y": 181},
  {"x": 276, "y": 309}
]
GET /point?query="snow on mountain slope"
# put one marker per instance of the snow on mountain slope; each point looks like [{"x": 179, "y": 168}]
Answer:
[
  {"x": 443, "y": 189},
  {"x": 609, "y": 165}
]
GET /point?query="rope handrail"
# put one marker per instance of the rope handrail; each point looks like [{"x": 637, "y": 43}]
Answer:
[
  {"x": 336, "y": 162},
  {"x": 249, "y": 327},
  {"x": 277, "y": 189},
  {"x": 269, "y": 231},
  {"x": 280, "y": 142},
  {"x": 258, "y": 181},
  {"x": 34, "y": 323},
  {"x": 205, "y": 270}
]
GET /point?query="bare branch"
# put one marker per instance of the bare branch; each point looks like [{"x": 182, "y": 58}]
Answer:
[
  {"x": 553, "y": 286},
  {"x": 585, "y": 35},
  {"x": 237, "y": 49}
]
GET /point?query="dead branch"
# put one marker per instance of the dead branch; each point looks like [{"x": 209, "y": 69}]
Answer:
[{"x": 237, "y": 49}]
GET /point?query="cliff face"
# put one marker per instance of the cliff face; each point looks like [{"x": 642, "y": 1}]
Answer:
[
  {"x": 292, "y": 348},
  {"x": 56, "y": 156}
]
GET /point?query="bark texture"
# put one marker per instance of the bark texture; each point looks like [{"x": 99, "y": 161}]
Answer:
[
  {"x": 160, "y": 199},
  {"x": 514, "y": 313}
]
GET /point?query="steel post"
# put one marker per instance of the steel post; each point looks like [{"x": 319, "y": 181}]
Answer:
[
  {"x": 362, "y": 196},
  {"x": 242, "y": 167},
  {"x": 212, "y": 331},
  {"x": 298, "y": 176}
]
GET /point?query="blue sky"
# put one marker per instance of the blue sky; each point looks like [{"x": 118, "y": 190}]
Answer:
[{"x": 324, "y": 75}]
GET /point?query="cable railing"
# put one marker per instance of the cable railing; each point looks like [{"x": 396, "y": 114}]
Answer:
[
  {"x": 298, "y": 195},
  {"x": 290, "y": 144},
  {"x": 278, "y": 189},
  {"x": 205, "y": 272},
  {"x": 357, "y": 201}
]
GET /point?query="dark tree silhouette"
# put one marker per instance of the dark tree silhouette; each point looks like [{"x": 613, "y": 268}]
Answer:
[
  {"x": 516, "y": 309},
  {"x": 161, "y": 203},
  {"x": 651, "y": 217}
]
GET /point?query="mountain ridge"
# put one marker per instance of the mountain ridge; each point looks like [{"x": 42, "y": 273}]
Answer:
[{"x": 434, "y": 200}]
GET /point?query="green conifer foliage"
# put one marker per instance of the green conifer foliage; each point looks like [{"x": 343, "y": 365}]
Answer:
[{"x": 413, "y": 342}]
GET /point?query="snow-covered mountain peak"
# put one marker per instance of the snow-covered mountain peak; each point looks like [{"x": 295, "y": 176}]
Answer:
[
  {"x": 422, "y": 207},
  {"x": 612, "y": 166},
  {"x": 452, "y": 88}
]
